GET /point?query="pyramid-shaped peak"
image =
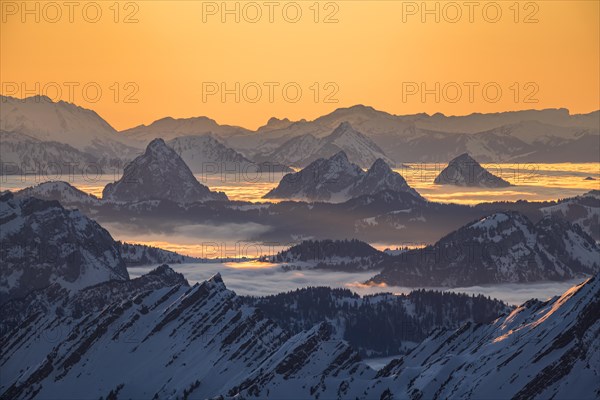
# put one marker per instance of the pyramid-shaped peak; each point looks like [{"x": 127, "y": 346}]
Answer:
[
  {"x": 343, "y": 127},
  {"x": 157, "y": 148},
  {"x": 159, "y": 173},
  {"x": 380, "y": 165},
  {"x": 156, "y": 143},
  {"x": 163, "y": 269},
  {"x": 340, "y": 156},
  {"x": 216, "y": 278},
  {"x": 465, "y": 157},
  {"x": 465, "y": 171}
]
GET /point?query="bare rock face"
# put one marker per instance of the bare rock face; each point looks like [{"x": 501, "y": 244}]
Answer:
[
  {"x": 465, "y": 171},
  {"x": 159, "y": 173}
]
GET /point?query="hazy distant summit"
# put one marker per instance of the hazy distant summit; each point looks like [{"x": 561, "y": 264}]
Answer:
[
  {"x": 37, "y": 127},
  {"x": 205, "y": 154},
  {"x": 170, "y": 128},
  {"x": 38, "y": 118},
  {"x": 465, "y": 171},
  {"x": 302, "y": 150}
]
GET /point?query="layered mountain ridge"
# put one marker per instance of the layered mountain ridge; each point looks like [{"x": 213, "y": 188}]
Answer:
[
  {"x": 80, "y": 136},
  {"x": 302, "y": 150},
  {"x": 40, "y": 118},
  {"x": 500, "y": 248}
]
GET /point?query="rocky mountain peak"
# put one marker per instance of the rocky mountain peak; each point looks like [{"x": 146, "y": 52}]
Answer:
[
  {"x": 165, "y": 271},
  {"x": 464, "y": 157},
  {"x": 216, "y": 279},
  {"x": 465, "y": 171},
  {"x": 340, "y": 158},
  {"x": 337, "y": 179},
  {"x": 159, "y": 173},
  {"x": 157, "y": 145},
  {"x": 380, "y": 167}
]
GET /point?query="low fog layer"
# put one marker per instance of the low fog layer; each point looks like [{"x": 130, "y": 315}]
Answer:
[{"x": 257, "y": 279}]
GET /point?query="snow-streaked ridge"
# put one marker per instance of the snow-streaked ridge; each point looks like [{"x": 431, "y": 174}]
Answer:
[{"x": 155, "y": 336}]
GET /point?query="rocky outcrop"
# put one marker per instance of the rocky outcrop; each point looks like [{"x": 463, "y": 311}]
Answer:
[
  {"x": 465, "y": 171},
  {"x": 159, "y": 173},
  {"x": 337, "y": 179}
]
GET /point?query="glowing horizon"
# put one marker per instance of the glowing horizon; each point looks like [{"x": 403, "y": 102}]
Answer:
[
  {"x": 371, "y": 53},
  {"x": 326, "y": 113}
]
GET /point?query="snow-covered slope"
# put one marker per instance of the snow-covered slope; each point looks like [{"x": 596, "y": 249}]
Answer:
[
  {"x": 359, "y": 148},
  {"x": 302, "y": 150},
  {"x": 66, "y": 194},
  {"x": 583, "y": 210},
  {"x": 381, "y": 177},
  {"x": 204, "y": 154},
  {"x": 157, "y": 337},
  {"x": 541, "y": 350},
  {"x": 159, "y": 173},
  {"x": 503, "y": 247},
  {"x": 21, "y": 154},
  {"x": 337, "y": 179},
  {"x": 42, "y": 119},
  {"x": 480, "y": 122},
  {"x": 493, "y": 137},
  {"x": 465, "y": 171},
  {"x": 295, "y": 151},
  {"x": 539, "y": 133},
  {"x": 42, "y": 243}
]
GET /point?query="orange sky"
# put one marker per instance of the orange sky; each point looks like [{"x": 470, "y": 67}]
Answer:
[{"x": 375, "y": 54}]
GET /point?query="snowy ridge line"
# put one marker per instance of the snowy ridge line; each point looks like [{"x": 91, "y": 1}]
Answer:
[
  {"x": 217, "y": 346},
  {"x": 550, "y": 135},
  {"x": 500, "y": 248}
]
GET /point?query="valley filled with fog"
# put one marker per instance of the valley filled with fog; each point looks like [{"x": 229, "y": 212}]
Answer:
[{"x": 262, "y": 279}]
